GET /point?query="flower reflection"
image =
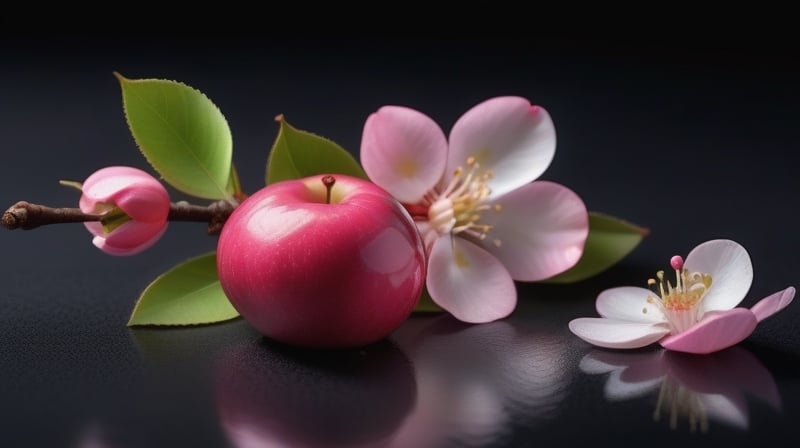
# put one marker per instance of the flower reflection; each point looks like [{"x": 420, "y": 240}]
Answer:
[
  {"x": 272, "y": 395},
  {"x": 698, "y": 389},
  {"x": 474, "y": 381}
]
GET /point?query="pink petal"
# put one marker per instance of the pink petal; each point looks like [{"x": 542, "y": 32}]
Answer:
[
  {"x": 773, "y": 303},
  {"x": 628, "y": 303},
  {"x": 731, "y": 272},
  {"x": 95, "y": 228},
  {"x": 428, "y": 234},
  {"x": 506, "y": 135},
  {"x": 613, "y": 333},
  {"x": 714, "y": 332},
  {"x": 541, "y": 228},
  {"x": 403, "y": 151},
  {"x": 136, "y": 192},
  {"x": 144, "y": 202},
  {"x": 469, "y": 282},
  {"x": 130, "y": 238}
]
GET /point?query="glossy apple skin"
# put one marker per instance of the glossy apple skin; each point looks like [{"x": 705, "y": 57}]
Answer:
[{"x": 324, "y": 275}]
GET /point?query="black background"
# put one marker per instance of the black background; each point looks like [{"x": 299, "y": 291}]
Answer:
[{"x": 694, "y": 141}]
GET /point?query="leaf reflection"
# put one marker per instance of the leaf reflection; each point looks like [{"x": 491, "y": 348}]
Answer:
[
  {"x": 475, "y": 381},
  {"x": 698, "y": 389},
  {"x": 273, "y": 395}
]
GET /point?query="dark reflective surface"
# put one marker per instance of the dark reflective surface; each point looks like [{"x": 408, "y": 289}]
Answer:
[
  {"x": 270, "y": 395},
  {"x": 693, "y": 141},
  {"x": 692, "y": 391}
]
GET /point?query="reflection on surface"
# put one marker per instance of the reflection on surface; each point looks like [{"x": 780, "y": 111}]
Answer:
[
  {"x": 473, "y": 381},
  {"x": 693, "y": 388},
  {"x": 273, "y": 395}
]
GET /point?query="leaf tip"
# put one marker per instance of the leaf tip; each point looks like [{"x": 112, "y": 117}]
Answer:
[{"x": 119, "y": 77}]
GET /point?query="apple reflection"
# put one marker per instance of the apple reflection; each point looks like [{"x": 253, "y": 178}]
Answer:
[
  {"x": 273, "y": 395},
  {"x": 473, "y": 381},
  {"x": 698, "y": 389}
]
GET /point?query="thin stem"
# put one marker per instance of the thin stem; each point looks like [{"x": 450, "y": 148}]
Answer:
[
  {"x": 328, "y": 181},
  {"x": 24, "y": 215}
]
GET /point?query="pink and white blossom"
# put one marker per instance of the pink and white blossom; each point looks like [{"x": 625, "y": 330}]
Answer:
[
  {"x": 697, "y": 313},
  {"x": 134, "y": 205},
  {"x": 484, "y": 220}
]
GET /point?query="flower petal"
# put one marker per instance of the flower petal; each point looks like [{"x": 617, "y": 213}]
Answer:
[
  {"x": 130, "y": 238},
  {"x": 613, "y": 333},
  {"x": 716, "y": 331},
  {"x": 541, "y": 230},
  {"x": 144, "y": 202},
  {"x": 403, "y": 151},
  {"x": 731, "y": 272},
  {"x": 136, "y": 192},
  {"x": 469, "y": 282},
  {"x": 628, "y": 303},
  {"x": 773, "y": 303},
  {"x": 428, "y": 234},
  {"x": 506, "y": 135}
]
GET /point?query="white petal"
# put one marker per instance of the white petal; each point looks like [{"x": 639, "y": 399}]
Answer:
[
  {"x": 428, "y": 234},
  {"x": 506, "y": 135},
  {"x": 403, "y": 151},
  {"x": 469, "y": 282},
  {"x": 628, "y": 303},
  {"x": 611, "y": 333},
  {"x": 541, "y": 229},
  {"x": 731, "y": 272}
]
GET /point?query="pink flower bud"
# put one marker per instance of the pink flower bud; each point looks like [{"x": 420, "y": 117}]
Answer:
[{"x": 140, "y": 201}]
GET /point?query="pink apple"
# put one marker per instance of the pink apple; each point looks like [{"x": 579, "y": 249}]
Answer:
[{"x": 322, "y": 262}]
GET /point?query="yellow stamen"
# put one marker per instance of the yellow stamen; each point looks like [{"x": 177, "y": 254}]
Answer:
[{"x": 679, "y": 303}]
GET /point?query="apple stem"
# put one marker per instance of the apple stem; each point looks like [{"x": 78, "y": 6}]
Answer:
[
  {"x": 24, "y": 215},
  {"x": 328, "y": 181}
]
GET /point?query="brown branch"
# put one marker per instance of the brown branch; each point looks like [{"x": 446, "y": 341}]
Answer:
[{"x": 24, "y": 215}]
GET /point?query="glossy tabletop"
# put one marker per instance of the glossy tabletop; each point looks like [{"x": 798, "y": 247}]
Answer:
[{"x": 694, "y": 142}]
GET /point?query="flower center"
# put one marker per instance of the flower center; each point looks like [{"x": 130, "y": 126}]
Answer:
[
  {"x": 680, "y": 303},
  {"x": 457, "y": 208}
]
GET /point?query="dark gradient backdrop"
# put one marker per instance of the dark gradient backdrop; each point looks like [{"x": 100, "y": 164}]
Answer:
[{"x": 694, "y": 141}]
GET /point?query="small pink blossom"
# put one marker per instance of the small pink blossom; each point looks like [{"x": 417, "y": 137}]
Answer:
[
  {"x": 484, "y": 221},
  {"x": 695, "y": 313},
  {"x": 134, "y": 206}
]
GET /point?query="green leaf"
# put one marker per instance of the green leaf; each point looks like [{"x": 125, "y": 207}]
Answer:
[
  {"x": 181, "y": 133},
  {"x": 297, "y": 154},
  {"x": 610, "y": 240},
  {"x": 426, "y": 304},
  {"x": 188, "y": 294}
]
